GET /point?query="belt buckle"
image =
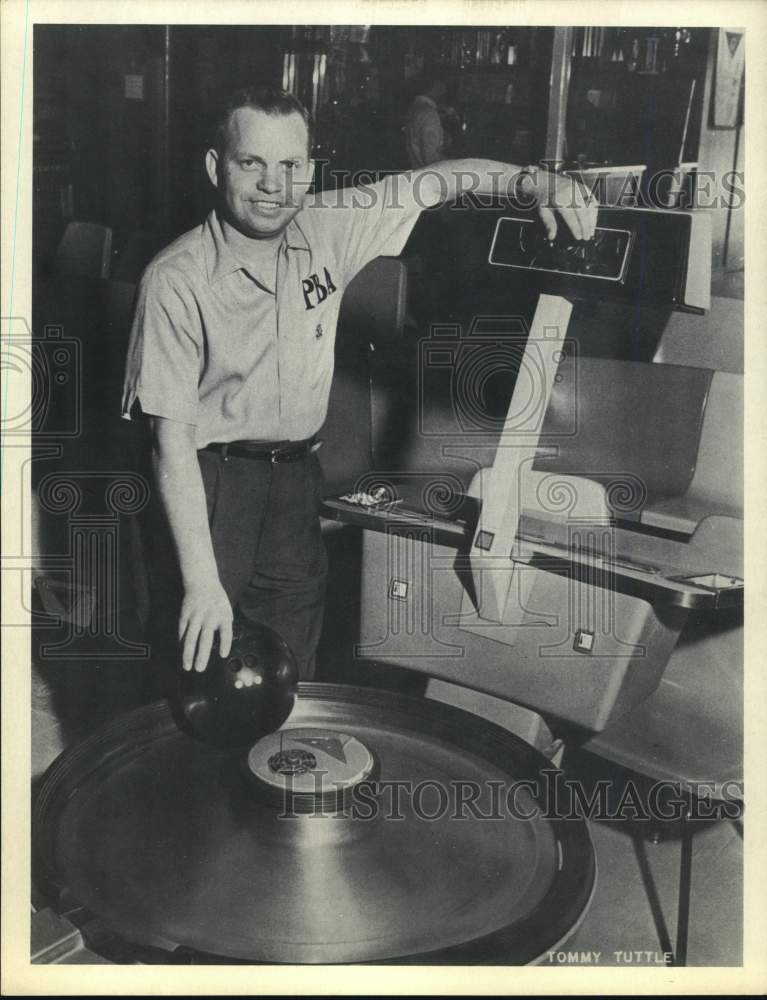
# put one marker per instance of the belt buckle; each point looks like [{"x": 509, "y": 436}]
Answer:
[{"x": 274, "y": 455}]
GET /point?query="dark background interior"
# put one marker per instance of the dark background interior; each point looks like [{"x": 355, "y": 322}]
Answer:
[{"x": 121, "y": 112}]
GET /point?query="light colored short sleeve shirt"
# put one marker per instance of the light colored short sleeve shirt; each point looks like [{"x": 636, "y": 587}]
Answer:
[{"x": 213, "y": 345}]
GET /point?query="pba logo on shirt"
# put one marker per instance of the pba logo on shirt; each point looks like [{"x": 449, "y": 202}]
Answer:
[{"x": 316, "y": 291}]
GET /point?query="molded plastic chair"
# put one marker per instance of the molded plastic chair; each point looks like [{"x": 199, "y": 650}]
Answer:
[{"x": 85, "y": 250}]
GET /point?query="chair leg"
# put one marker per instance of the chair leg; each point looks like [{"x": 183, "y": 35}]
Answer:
[
  {"x": 685, "y": 889},
  {"x": 651, "y": 890}
]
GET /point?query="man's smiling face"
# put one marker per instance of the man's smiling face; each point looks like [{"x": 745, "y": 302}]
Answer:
[{"x": 264, "y": 171}]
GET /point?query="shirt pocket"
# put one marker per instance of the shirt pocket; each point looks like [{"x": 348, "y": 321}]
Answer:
[{"x": 321, "y": 324}]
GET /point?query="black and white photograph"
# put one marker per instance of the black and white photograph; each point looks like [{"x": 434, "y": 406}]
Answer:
[{"x": 374, "y": 504}]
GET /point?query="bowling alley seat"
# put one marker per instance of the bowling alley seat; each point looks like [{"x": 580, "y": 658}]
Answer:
[
  {"x": 654, "y": 436},
  {"x": 660, "y": 432},
  {"x": 85, "y": 251},
  {"x": 665, "y": 433}
]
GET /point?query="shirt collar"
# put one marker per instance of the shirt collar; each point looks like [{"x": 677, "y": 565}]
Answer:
[
  {"x": 295, "y": 237},
  {"x": 219, "y": 259}
]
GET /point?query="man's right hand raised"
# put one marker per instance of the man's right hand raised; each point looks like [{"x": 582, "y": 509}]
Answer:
[{"x": 205, "y": 612}]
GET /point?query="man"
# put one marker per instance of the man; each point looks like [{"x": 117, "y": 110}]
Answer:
[
  {"x": 231, "y": 359},
  {"x": 424, "y": 134}
]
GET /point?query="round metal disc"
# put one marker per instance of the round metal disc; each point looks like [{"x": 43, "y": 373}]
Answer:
[
  {"x": 162, "y": 838},
  {"x": 309, "y": 769}
]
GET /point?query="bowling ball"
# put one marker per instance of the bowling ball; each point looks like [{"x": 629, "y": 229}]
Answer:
[{"x": 239, "y": 698}]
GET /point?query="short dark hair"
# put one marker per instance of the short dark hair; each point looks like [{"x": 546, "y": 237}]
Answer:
[{"x": 264, "y": 98}]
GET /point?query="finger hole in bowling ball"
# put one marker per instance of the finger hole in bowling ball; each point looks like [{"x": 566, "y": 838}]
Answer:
[{"x": 229, "y": 715}]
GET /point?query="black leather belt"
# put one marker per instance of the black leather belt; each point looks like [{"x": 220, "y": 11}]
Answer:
[{"x": 277, "y": 451}]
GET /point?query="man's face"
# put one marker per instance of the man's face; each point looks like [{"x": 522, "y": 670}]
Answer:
[{"x": 264, "y": 172}]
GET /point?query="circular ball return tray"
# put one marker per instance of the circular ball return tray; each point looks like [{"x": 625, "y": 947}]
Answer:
[{"x": 184, "y": 851}]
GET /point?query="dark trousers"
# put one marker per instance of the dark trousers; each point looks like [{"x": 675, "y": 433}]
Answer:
[
  {"x": 265, "y": 528},
  {"x": 264, "y": 525}
]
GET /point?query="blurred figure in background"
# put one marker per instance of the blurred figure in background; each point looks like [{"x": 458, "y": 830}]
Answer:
[{"x": 424, "y": 133}]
